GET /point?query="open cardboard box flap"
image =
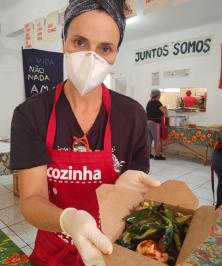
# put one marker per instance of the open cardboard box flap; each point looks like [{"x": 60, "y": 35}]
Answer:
[
  {"x": 116, "y": 202},
  {"x": 175, "y": 193}
]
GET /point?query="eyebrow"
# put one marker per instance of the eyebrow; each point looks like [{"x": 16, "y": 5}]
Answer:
[
  {"x": 80, "y": 37},
  {"x": 85, "y": 39}
]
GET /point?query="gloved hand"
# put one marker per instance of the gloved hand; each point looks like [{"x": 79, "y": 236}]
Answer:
[
  {"x": 88, "y": 239},
  {"x": 137, "y": 180}
]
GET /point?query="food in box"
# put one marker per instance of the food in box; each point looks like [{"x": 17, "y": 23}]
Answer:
[
  {"x": 116, "y": 202},
  {"x": 153, "y": 230}
]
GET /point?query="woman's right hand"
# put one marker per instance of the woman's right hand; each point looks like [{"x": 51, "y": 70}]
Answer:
[
  {"x": 163, "y": 109},
  {"x": 88, "y": 239},
  {"x": 137, "y": 180}
]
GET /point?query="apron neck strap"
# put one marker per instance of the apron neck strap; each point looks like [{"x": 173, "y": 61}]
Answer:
[
  {"x": 50, "y": 136},
  {"x": 51, "y": 131},
  {"x": 107, "y": 103}
]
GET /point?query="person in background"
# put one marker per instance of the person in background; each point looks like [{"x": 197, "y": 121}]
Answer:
[
  {"x": 66, "y": 142},
  {"x": 217, "y": 166},
  {"x": 155, "y": 111},
  {"x": 189, "y": 100}
]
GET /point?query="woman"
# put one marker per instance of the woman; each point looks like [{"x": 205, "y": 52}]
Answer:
[
  {"x": 66, "y": 143},
  {"x": 189, "y": 100},
  {"x": 155, "y": 111},
  {"x": 217, "y": 167}
]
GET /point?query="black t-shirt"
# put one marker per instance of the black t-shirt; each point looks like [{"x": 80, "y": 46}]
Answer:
[
  {"x": 128, "y": 128},
  {"x": 219, "y": 147},
  {"x": 153, "y": 111}
]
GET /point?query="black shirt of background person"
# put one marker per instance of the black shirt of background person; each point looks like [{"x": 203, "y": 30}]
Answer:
[{"x": 153, "y": 111}]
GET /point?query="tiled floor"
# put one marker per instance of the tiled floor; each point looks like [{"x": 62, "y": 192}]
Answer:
[{"x": 12, "y": 222}]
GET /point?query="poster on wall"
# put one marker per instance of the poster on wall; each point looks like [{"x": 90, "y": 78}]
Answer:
[
  {"x": 28, "y": 33},
  {"x": 61, "y": 17},
  {"x": 155, "y": 79},
  {"x": 43, "y": 70},
  {"x": 150, "y": 6},
  {"x": 39, "y": 31},
  {"x": 177, "y": 49},
  {"x": 132, "y": 9},
  {"x": 178, "y": 73},
  {"x": 52, "y": 26},
  {"x": 179, "y": 2},
  {"x": 220, "y": 84}
]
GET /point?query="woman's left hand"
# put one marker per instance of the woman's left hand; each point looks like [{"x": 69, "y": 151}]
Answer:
[{"x": 137, "y": 180}]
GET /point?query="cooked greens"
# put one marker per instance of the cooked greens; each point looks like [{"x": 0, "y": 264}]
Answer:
[{"x": 155, "y": 231}]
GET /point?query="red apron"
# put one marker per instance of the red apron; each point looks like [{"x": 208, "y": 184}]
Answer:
[
  {"x": 73, "y": 178},
  {"x": 163, "y": 133},
  {"x": 163, "y": 128}
]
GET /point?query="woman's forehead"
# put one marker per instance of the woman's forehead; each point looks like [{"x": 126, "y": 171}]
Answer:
[{"x": 95, "y": 25}]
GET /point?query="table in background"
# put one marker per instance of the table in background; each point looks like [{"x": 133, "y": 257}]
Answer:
[
  {"x": 202, "y": 136},
  {"x": 4, "y": 158},
  {"x": 5, "y": 162},
  {"x": 209, "y": 252}
]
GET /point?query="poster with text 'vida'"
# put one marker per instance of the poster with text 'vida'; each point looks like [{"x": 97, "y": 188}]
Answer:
[
  {"x": 150, "y": 6},
  {"x": 43, "y": 70}
]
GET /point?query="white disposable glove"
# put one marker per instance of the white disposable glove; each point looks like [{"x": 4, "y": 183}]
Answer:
[
  {"x": 88, "y": 239},
  {"x": 137, "y": 180}
]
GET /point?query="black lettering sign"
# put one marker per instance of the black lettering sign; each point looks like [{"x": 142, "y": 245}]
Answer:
[
  {"x": 206, "y": 48},
  {"x": 199, "y": 46},
  {"x": 159, "y": 52},
  {"x": 183, "y": 47},
  {"x": 165, "y": 50},
  {"x": 191, "y": 47},
  {"x": 176, "y": 49},
  {"x": 137, "y": 59}
]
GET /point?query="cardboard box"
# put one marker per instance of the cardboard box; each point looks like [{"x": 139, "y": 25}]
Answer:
[{"x": 117, "y": 202}]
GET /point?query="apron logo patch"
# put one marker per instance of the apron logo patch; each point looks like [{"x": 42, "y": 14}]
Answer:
[{"x": 75, "y": 175}]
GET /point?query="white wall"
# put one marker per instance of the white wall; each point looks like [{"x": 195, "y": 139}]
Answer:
[
  {"x": 25, "y": 11},
  {"x": 12, "y": 91},
  {"x": 204, "y": 71},
  {"x": 11, "y": 81}
]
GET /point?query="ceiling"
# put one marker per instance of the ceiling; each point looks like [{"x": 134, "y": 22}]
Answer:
[
  {"x": 6, "y": 4},
  {"x": 188, "y": 15}
]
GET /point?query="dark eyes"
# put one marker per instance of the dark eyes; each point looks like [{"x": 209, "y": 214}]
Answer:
[
  {"x": 106, "y": 49},
  {"x": 79, "y": 42},
  {"x": 102, "y": 49}
]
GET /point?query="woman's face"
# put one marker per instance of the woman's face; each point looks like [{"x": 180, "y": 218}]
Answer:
[{"x": 93, "y": 31}]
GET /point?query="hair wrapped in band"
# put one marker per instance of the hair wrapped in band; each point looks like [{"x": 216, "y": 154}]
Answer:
[{"x": 115, "y": 8}]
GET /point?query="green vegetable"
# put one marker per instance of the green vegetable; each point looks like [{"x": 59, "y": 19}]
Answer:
[
  {"x": 183, "y": 219},
  {"x": 147, "y": 233},
  {"x": 144, "y": 213},
  {"x": 168, "y": 236},
  {"x": 155, "y": 221},
  {"x": 177, "y": 241},
  {"x": 136, "y": 216}
]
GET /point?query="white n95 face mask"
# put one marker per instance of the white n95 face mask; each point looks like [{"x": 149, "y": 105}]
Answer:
[{"x": 86, "y": 70}]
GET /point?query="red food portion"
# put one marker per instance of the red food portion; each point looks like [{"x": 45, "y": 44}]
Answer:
[{"x": 149, "y": 248}]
